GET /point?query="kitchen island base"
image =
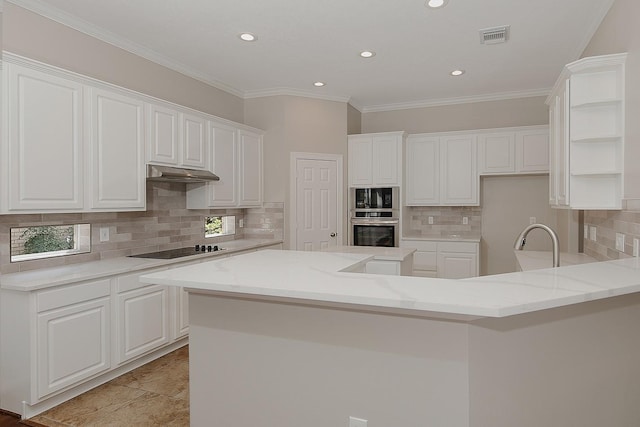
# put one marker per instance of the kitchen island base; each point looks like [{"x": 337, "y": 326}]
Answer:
[{"x": 292, "y": 363}]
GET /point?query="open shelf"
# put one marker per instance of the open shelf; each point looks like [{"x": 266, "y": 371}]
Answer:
[
  {"x": 597, "y": 139},
  {"x": 602, "y": 103}
]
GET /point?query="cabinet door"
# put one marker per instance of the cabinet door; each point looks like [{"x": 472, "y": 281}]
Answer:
[
  {"x": 532, "y": 148},
  {"x": 387, "y": 154},
  {"x": 496, "y": 153},
  {"x": 142, "y": 321},
  {"x": 457, "y": 265},
  {"x": 250, "y": 169},
  {"x": 72, "y": 344},
  {"x": 163, "y": 135},
  {"x": 360, "y": 161},
  {"x": 423, "y": 171},
  {"x": 458, "y": 170},
  {"x": 181, "y": 313},
  {"x": 224, "y": 163},
  {"x": 194, "y": 141},
  {"x": 117, "y": 151},
  {"x": 44, "y": 141}
]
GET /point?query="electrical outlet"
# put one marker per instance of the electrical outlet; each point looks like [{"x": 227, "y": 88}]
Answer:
[
  {"x": 620, "y": 242},
  {"x": 636, "y": 247},
  {"x": 241, "y": 223},
  {"x": 104, "y": 234},
  {"x": 430, "y": 220},
  {"x": 465, "y": 220},
  {"x": 357, "y": 422},
  {"x": 586, "y": 232},
  {"x": 532, "y": 220},
  {"x": 592, "y": 233}
]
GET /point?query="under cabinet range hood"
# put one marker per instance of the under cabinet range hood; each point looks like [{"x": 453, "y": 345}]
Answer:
[{"x": 175, "y": 174}]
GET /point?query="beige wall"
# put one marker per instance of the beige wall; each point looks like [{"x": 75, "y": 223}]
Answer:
[
  {"x": 28, "y": 34},
  {"x": 296, "y": 124},
  {"x": 479, "y": 115},
  {"x": 354, "y": 120}
]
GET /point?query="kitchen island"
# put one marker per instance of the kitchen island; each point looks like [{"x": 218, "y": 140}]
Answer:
[{"x": 280, "y": 338}]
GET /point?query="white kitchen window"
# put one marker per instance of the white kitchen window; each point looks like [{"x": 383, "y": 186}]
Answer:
[
  {"x": 215, "y": 226},
  {"x": 48, "y": 241}
]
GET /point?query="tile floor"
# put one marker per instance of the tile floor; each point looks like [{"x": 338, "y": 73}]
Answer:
[{"x": 156, "y": 394}]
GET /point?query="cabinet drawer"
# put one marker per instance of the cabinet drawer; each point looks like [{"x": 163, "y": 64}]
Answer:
[
  {"x": 420, "y": 245},
  {"x": 466, "y": 247},
  {"x": 425, "y": 260},
  {"x": 68, "y": 295},
  {"x": 132, "y": 281}
]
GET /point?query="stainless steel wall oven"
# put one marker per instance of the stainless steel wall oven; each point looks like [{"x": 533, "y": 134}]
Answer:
[{"x": 374, "y": 217}]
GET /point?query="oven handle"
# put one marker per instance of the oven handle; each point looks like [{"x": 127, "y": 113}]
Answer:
[{"x": 363, "y": 221}]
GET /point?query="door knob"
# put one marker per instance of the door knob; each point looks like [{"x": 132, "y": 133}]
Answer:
[{"x": 332, "y": 234}]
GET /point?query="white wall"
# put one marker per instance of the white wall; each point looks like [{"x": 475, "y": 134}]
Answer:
[{"x": 296, "y": 124}]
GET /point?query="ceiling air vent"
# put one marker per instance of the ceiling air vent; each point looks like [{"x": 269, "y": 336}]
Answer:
[{"x": 494, "y": 35}]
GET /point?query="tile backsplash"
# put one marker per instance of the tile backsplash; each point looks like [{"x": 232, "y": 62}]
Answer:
[
  {"x": 166, "y": 224},
  {"x": 607, "y": 224},
  {"x": 447, "y": 220}
]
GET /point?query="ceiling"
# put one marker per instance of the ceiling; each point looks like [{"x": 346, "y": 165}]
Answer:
[{"x": 304, "y": 41}]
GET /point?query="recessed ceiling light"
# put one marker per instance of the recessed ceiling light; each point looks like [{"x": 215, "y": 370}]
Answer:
[
  {"x": 248, "y": 37},
  {"x": 457, "y": 72},
  {"x": 318, "y": 84},
  {"x": 367, "y": 54},
  {"x": 435, "y": 4}
]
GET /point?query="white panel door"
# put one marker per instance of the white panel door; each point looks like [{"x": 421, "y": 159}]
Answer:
[
  {"x": 455, "y": 265},
  {"x": 317, "y": 201},
  {"x": 423, "y": 171},
  {"x": 250, "y": 169},
  {"x": 72, "y": 344},
  {"x": 163, "y": 135},
  {"x": 360, "y": 161},
  {"x": 458, "y": 170},
  {"x": 194, "y": 141},
  {"x": 117, "y": 151},
  {"x": 387, "y": 154},
  {"x": 496, "y": 153},
  {"x": 532, "y": 148},
  {"x": 224, "y": 163},
  {"x": 45, "y": 146},
  {"x": 142, "y": 321}
]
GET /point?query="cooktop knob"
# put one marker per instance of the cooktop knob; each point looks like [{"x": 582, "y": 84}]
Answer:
[
  {"x": 197, "y": 248},
  {"x": 209, "y": 248}
]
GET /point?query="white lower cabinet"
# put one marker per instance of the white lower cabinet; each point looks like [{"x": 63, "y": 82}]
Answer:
[
  {"x": 72, "y": 335},
  {"x": 142, "y": 317},
  {"x": 181, "y": 310},
  {"x": 444, "y": 259},
  {"x": 383, "y": 267}
]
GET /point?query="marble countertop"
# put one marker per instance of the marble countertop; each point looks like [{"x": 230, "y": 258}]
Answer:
[
  {"x": 534, "y": 260},
  {"x": 72, "y": 273},
  {"x": 447, "y": 238},
  {"x": 317, "y": 278},
  {"x": 379, "y": 253}
]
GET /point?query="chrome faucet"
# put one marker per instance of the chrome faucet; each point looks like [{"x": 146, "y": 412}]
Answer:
[{"x": 522, "y": 239}]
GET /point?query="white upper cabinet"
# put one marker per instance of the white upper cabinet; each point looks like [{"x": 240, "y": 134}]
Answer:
[
  {"x": 250, "y": 168},
  {"x": 44, "y": 148},
  {"x": 441, "y": 170},
  {"x": 117, "y": 173},
  {"x": 194, "y": 141},
  {"x": 423, "y": 170},
  {"x": 176, "y": 138},
  {"x": 458, "y": 170},
  {"x": 236, "y": 157},
  {"x": 163, "y": 135},
  {"x": 587, "y": 108},
  {"x": 375, "y": 160},
  {"x": 514, "y": 151}
]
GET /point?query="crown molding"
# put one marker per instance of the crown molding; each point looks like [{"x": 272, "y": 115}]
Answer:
[
  {"x": 280, "y": 91},
  {"x": 85, "y": 27},
  {"x": 459, "y": 100}
]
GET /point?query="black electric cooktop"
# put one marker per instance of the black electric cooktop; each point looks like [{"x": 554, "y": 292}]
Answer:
[{"x": 177, "y": 253}]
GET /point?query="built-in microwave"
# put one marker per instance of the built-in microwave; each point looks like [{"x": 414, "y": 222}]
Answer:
[{"x": 375, "y": 198}]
